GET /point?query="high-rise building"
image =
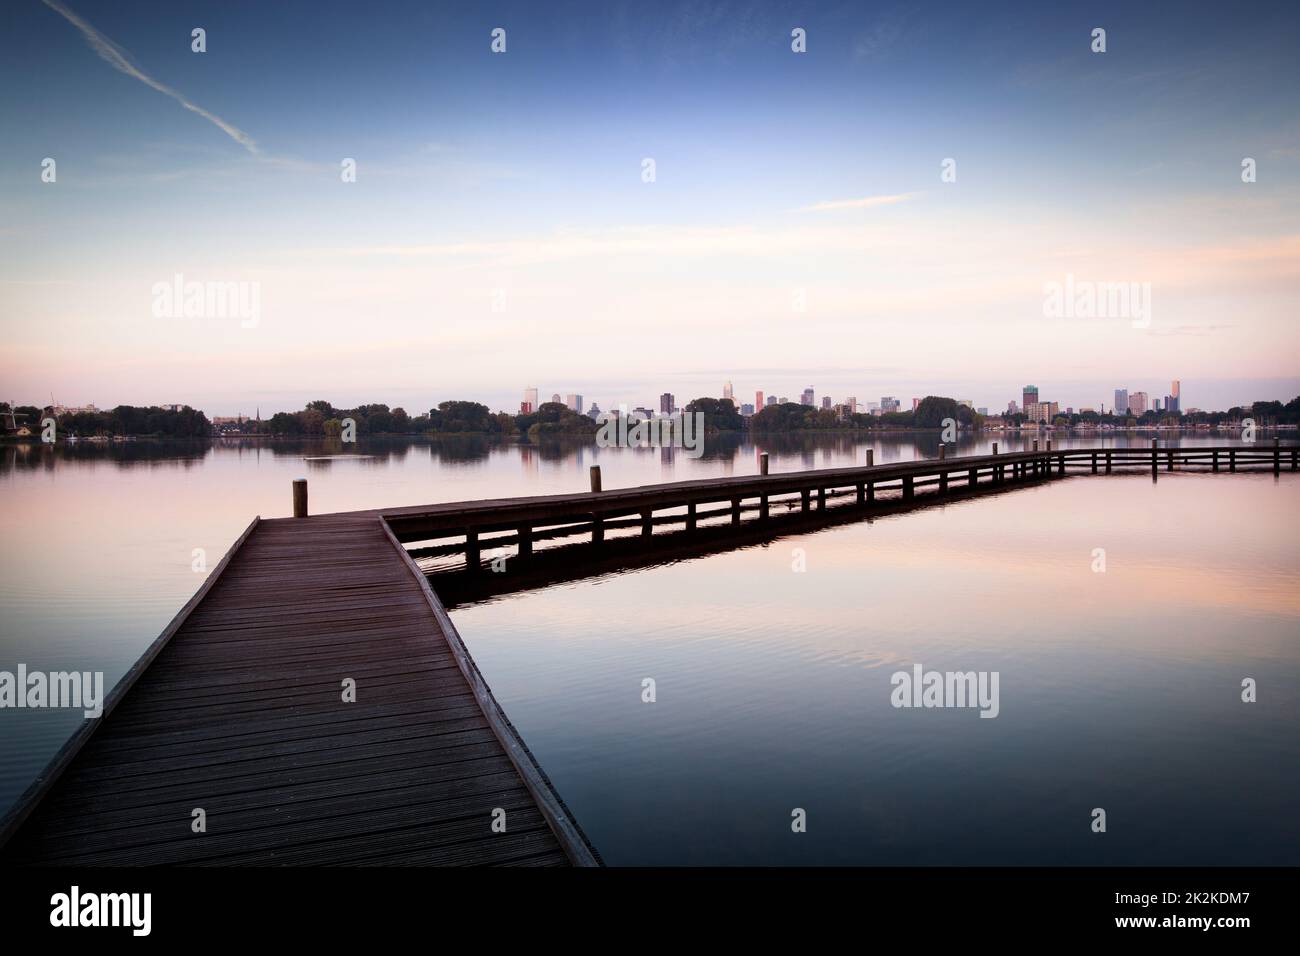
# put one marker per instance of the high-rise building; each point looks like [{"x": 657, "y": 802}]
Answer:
[
  {"x": 747, "y": 409},
  {"x": 826, "y": 401},
  {"x": 1042, "y": 411},
  {"x": 726, "y": 390},
  {"x": 1012, "y": 407},
  {"x": 574, "y": 402},
  {"x": 888, "y": 404},
  {"x": 758, "y": 400},
  {"x": 808, "y": 397},
  {"x": 1121, "y": 401},
  {"x": 1175, "y": 401},
  {"x": 1137, "y": 403},
  {"x": 851, "y": 403},
  {"x": 1155, "y": 405},
  {"x": 916, "y": 403},
  {"x": 555, "y": 398},
  {"x": 530, "y": 398},
  {"x": 667, "y": 403},
  {"x": 771, "y": 400},
  {"x": 1030, "y": 395}
]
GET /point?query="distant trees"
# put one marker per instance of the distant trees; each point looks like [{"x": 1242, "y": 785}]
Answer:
[{"x": 720, "y": 414}]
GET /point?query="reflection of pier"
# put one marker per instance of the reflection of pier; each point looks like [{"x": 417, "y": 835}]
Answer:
[{"x": 240, "y": 708}]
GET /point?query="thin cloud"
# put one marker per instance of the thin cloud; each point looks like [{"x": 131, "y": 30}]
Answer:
[
  {"x": 865, "y": 203},
  {"x": 112, "y": 54}
]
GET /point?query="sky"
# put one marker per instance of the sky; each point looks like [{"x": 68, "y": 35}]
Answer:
[{"x": 501, "y": 232}]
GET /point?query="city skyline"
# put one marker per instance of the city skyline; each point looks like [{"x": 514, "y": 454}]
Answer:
[{"x": 490, "y": 213}]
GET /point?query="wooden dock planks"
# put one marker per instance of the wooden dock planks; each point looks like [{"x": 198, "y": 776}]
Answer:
[{"x": 241, "y": 714}]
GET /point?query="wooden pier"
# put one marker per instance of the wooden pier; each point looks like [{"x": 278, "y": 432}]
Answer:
[{"x": 313, "y": 702}]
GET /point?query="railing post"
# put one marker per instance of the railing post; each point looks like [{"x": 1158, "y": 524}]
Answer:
[
  {"x": 597, "y": 524},
  {"x": 942, "y": 451},
  {"x": 1277, "y": 455},
  {"x": 525, "y": 540},
  {"x": 762, "y": 464},
  {"x": 1154, "y": 454},
  {"x": 690, "y": 516},
  {"x": 735, "y": 511},
  {"x": 1108, "y": 463},
  {"x": 300, "y": 497},
  {"x": 1094, "y": 462},
  {"x": 908, "y": 491},
  {"x": 871, "y": 457},
  {"x": 973, "y": 478},
  {"x": 647, "y": 523},
  {"x": 762, "y": 501},
  {"x": 1232, "y": 460},
  {"x": 862, "y": 492},
  {"x": 821, "y": 499},
  {"x": 1214, "y": 458},
  {"x": 473, "y": 558},
  {"x": 803, "y": 500}
]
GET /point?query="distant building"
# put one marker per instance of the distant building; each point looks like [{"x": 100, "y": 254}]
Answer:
[
  {"x": 1012, "y": 407},
  {"x": 747, "y": 409},
  {"x": 916, "y": 403},
  {"x": 726, "y": 391},
  {"x": 1042, "y": 411},
  {"x": 667, "y": 402},
  {"x": 888, "y": 404},
  {"x": 1121, "y": 401},
  {"x": 555, "y": 398},
  {"x": 826, "y": 402},
  {"x": 982, "y": 410},
  {"x": 758, "y": 400},
  {"x": 1137, "y": 403},
  {"x": 1174, "y": 400},
  {"x": 851, "y": 403},
  {"x": 808, "y": 397},
  {"x": 1030, "y": 395},
  {"x": 784, "y": 400},
  {"x": 530, "y": 399},
  {"x": 771, "y": 400},
  {"x": 594, "y": 412},
  {"x": 1155, "y": 405},
  {"x": 574, "y": 402}
]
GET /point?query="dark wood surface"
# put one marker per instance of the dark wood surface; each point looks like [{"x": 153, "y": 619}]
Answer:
[{"x": 241, "y": 714}]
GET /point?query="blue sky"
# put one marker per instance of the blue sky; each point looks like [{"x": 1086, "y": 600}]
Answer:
[{"x": 518, "y": 176}]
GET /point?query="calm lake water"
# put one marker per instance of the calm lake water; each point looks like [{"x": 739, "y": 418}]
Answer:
[{"x": 1119, "y": 690}]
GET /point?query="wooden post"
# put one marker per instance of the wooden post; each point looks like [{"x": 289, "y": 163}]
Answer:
[
  {"x": 472, "y": 556},
  {"x": 647, "y": 523},
  {"x": 973, "y": 478},
  {"x": 907, "y": 486},
  {"x": 1295, "y": 459},
  {"x": 300, "y": 497},
  {"x": 995, "y": 448},
  {"x": 690, "y": 516},
  {"x": 942, "y": 451},
  {"x": 803, "y": 498},
  {"x": 943, "y": 481},
  {"x": 1049, "y": 445},
  {"x": 1169, "y": 460},
  {"x": 762, "y": 464},
  {"x": 1232, "y": 461},
  {"x": 525, "y": 540},
  {"x": 1108, "y": 463},
  {"x": 735, "y": 511},
  {"x": 1094, "y": 462},
  {"x": 1060, "y": 464},
  {"x": 871, "y": 492},
  {"x": 1154, "y": 445},
  {"x": 871, "y": 457},
  {"x": 1215, "y": 459},
  {"x": 821, "y": 499},
  {"x": 862, "y": 492},
  {"x": 595, "y": 477},
  {"x": 1277, "y": 456},
  {"x": 597, "y": 523}
]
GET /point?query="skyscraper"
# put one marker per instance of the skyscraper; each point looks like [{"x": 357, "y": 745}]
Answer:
[
  {"x": 1030, "y": 396},
  {"x": 574, "y": 402},
  {"x": 1121, "y": 401},
  {"x": 1137, "y": 403},
  {"x": 667, "y": 403},
  {"x": 530, "y": 399},
  {"x": 771, "y": 400},
  {"x": 808, "y": 397},
  {"x": 758, "y": 400},
  {"x": 726, "y": 390},
  {"x": 826, "y": 401},
  {"x": 1176, "y": 402}
]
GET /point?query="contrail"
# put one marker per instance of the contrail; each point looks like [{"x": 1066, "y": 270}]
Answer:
[{"x": 110, "y": 52}]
